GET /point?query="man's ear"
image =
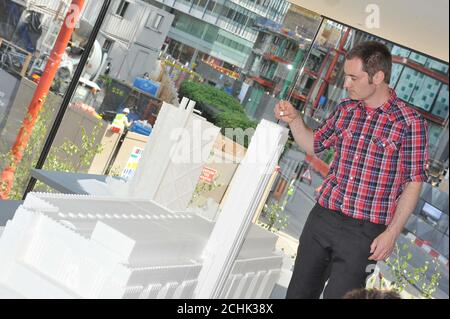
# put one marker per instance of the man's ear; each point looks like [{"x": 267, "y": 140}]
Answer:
[{"x": 378, "y": 78}]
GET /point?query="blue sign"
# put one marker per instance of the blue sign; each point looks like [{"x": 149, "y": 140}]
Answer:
[
  {"x": 228, "y": 90},
  {"x": 268, "y": 23},
  {"x": 147, "y": 86}
]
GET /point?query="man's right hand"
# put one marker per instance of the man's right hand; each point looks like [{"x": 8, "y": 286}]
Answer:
[
  {"x": 303, "y": 135},
  {"x": 285, "y": 112}
]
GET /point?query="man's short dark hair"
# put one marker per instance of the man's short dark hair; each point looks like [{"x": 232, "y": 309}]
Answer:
[
  {"x": 375, "y": 57},
  {"x": 372, "y": 294}
]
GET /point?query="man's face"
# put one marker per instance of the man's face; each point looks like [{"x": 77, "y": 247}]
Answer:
[{"x": 357, "y": 80}]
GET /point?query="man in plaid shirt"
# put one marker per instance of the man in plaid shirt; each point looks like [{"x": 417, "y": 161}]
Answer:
[{"x": 374, "y": 182}]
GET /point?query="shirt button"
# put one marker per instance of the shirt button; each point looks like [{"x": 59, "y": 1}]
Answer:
[
  {"x": 356, "y": 157},
  {"x": 351, "y": 178},
  {"x": 362, "y": 137},
  {"x": 369, "y": 117}
]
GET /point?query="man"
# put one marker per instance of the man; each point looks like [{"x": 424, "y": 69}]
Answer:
[
  {"x": 374, "y": 181},
  {"x": 121, "y": 122}
]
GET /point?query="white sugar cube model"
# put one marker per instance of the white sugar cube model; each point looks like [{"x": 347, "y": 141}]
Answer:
[
  {"x": 173, "y": 159},
  {"x": 71, "y": 246},
  {"x": 87, "y": 247}
]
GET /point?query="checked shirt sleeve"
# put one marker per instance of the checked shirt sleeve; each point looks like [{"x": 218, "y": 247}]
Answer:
[
  {"x": 325, "y": 135},
  {"x": 414, "y": 152}
]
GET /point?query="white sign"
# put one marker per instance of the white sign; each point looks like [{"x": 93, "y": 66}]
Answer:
[
  {"x": 432, "y": 211},
  {"x": 133, "y": 161}
]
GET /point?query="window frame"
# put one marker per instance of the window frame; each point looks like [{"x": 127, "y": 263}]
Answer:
[{"x": 122, "y": 8}]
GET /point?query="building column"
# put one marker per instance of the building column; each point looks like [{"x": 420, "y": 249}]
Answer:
[
  {"x": 180, "y": 51},
  {"x": 193, "y": 59}
]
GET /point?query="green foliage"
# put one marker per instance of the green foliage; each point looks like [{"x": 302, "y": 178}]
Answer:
[
  {"x": 404, "y": 275},
  {"x": 116, "y": 172},
  {"x": 234, "y": 120},
  {"x": 30, "y": 155},
  {"x": 105, "y": 81},
  {"x": 202, "y": 188},
  {"x": 231, "y": 113},
  {"x": 59, "y": 158},
  {"x": 206, "y": 94},
  {"x": 274, "y": 212}
]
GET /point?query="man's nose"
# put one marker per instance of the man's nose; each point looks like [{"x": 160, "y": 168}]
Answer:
[{"x": 346, "y": 84}]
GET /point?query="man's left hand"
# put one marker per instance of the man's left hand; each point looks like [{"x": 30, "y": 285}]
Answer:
[{"x": 383, "y": 246}]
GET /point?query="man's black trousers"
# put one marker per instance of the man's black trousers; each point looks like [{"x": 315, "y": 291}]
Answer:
[{"x": 333, "y": 249}]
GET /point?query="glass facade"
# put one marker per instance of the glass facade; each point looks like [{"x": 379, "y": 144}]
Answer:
[
  {"x": 235, "y": 19},
  {"x": 420, "y": 81},
  {"x": 96, "y": 91},
  {"x": 278, "y": 52},
  {"x": 25, "y": 52}
]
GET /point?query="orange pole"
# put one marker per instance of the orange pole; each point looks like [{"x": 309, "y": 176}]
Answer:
[{"x": 22, "y": 139}]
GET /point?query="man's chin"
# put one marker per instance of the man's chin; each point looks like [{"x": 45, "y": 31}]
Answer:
[{"x": 353, "y": 96}]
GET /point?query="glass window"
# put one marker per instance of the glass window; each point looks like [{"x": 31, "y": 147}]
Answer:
[
  {"x": 24, "y": 56},
  {"x": 440, "y": 108},
  {"x": 416, "y": 88},
  {"x": 211, "y": 5},
  {"x": 155, "y": 21},
  {"x": 87, "y": 139},
  {"x": 418, "y": 58},
  {"x": 210, "y": 34},
  {"x": 396, "y": 71},
  {"x": 122, "y": 8},
  {"x": 434, "y": 133},
  {"x": 182, "y": 23},
  {"x": 107, "y": 45},
  {"x": 200, "y": 3},
  {"x": 230, "y": 13},
  {"x": 420, "y": 90},
  {"x": 399, "y": 51},
  {"x": 438, "y": 66}
]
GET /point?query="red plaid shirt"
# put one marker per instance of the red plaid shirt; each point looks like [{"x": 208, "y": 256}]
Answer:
[{"x": 377, "y": 153}]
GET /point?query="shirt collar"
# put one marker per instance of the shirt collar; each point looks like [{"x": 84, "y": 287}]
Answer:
[{"x": 386, "y": 107}]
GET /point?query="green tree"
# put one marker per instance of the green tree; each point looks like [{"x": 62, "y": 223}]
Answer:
[
  {"x": 274, "y": 214},
  {"x": 59, "y": 158},
  {"x": 230, "y": 113},
  {"x": 404, "y": 275}
]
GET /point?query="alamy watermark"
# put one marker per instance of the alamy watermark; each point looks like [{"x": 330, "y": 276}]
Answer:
[
  {"x": 373, "y": 17},
  {"x": 192, "y": 146}
]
